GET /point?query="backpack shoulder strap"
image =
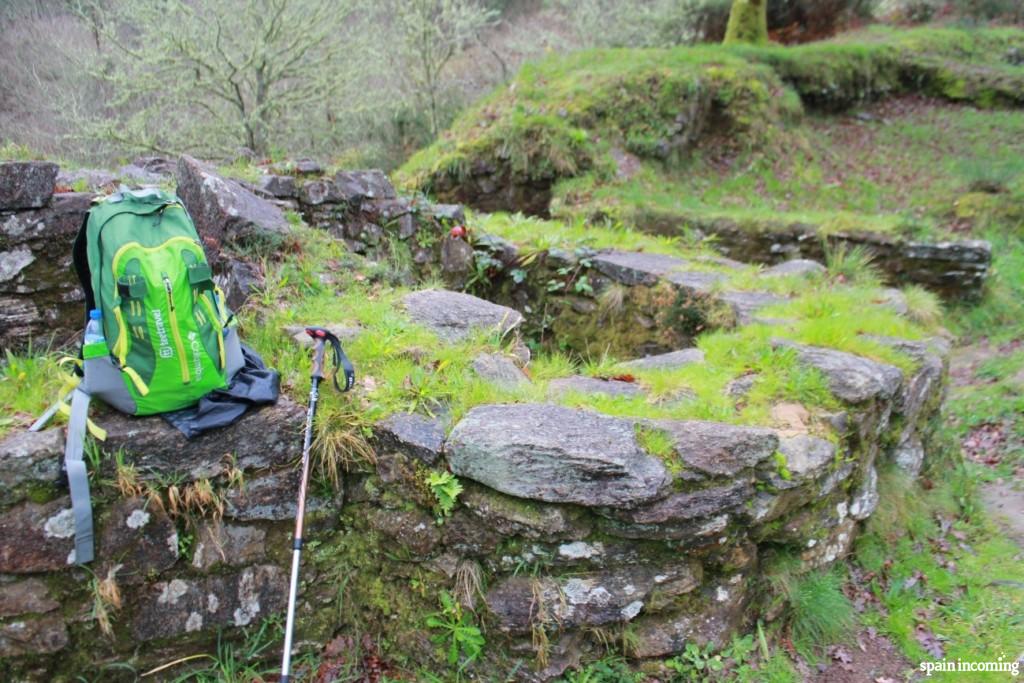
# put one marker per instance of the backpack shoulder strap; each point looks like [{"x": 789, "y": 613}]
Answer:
[{"x": 78, "y": 478}]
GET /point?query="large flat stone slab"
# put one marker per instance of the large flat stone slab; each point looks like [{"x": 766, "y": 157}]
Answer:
[
  {"x": 666, "y": 361},
  {"x": 852, "y": 378},
  {"x": 265, "y": 437},
  {"x": 592, "y": 385},
  {"x": 555, "y": 454},
  {"x": 636, "y": 268},
  {"x": 454, "y": 316}
]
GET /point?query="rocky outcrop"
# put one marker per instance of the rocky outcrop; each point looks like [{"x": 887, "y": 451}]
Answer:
[{"x": 227, "y": 215}]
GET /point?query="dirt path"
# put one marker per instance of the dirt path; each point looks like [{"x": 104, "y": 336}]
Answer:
[{"x": 989, "y": 443}]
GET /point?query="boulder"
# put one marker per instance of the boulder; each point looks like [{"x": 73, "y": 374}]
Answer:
[
  {"x": 690, "y": 505},
  {"x": 26, "y": 184},
  {"x": 807, "y": 459},
  {"x": 579, "y": 384},
  {"x": 417, "y": 436},
  {"x": 457, "y": 256},
  {"x": 500, "y": 370},
  {"x": 279, "y": 186},
  {"x": 264, "y": 437},
  {"x": 454, "y": 316},
  {"x": 713, "y": 449},
  {"x": 29, "y": 457},
  {"x": 591, "y": 599},
  {"x": 865, "y": 499},
  {"x": 225, "y": 213},
  {"x": 354, "y": 186},
  {"x": 179, "y": 606},
  {"x": 239, "y": 279},
  {"x": 852, "y": 378},
  {"x": 555, "y": 454},
  {"x": 44, "y": 635},
  {"x": 666, "y": 361}
]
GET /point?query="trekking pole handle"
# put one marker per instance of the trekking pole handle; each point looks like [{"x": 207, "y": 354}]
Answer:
[{"x": 321, "y": 337}]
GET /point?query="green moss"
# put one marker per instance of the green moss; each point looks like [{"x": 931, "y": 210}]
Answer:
[{"x": 660, "y": 444}]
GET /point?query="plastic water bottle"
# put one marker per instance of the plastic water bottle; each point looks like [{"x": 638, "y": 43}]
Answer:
[
  {"x": 94, "y": 328},
  {"x": 94, "y": 343}
]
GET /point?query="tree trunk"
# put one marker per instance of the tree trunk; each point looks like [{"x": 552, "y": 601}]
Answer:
[{"x": 748, "y": 22}]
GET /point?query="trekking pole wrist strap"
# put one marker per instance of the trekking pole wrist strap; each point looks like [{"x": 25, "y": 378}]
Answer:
[{"x": 321, "y": 338}]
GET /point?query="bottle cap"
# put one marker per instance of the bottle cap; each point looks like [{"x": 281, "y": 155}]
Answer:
[{"x": 95, "y": 314}]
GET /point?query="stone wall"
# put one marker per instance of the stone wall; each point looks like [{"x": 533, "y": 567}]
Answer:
[
  {"x": 238, "y": 222},
  {"x": 567, "y": 529},
  {"x": 953, "y": 269},
  {"x": 39, "y": 294}
]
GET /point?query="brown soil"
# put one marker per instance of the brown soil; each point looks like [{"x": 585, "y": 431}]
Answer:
[{"x": 871, "y": 659}]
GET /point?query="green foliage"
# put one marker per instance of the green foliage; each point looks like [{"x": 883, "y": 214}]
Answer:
[
  {"x": 239, "y": 662},
  {"x": 427, "y": 35},
  {"x": 610, "y": 669},
  {"x": 853, "y": 265},
  {"x": 446, "y": 489},
  {"x": 820, "y": 614},
  {"x": 743, "y": 660},
  {"x": 215, "y": 63},
  {"x": 465, "y": 642},
  {"x": 29, "y": 382},
  {"x": 12, "y": 151}
]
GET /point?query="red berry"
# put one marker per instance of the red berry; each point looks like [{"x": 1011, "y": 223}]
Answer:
[{"x": 459, "y": 231}]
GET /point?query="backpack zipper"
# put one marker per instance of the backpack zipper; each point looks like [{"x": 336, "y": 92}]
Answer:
[{"x": 185, "y": 377}]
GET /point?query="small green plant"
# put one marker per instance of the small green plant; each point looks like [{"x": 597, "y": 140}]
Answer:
[
  {"x": 781, "y": 466},
  {"x": 851, "y": 265},
  {"x": 446, "y": 489},
  {"x": 660, "y": 444},
  {"x": 464, "y": 640},
  {"x": 696, "y": 663},
  {"x": 820, "y": 614},
  {"x": 923, "y": 307},
  {"x": 612, "y": 669},
  {"x": 244, "y": 662}
]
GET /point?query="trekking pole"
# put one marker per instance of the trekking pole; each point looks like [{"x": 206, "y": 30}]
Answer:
[{"x": 321, "y": 338}]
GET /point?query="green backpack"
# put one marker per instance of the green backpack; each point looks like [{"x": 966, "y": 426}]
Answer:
[{"x": 168, "y": 336}]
